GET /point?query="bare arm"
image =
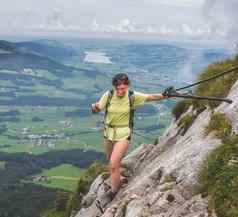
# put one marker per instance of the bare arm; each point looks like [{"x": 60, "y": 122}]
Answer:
[{"x": 156, "y": 96}]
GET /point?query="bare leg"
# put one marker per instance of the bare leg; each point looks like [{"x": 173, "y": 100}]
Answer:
[
  {"x": 108, "y": 145},
  {"x": 120, "y": 148}
]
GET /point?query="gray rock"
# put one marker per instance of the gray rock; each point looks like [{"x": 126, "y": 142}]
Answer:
[{"x": 93, "y": 191}]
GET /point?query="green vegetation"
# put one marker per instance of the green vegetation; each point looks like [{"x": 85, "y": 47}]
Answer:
[
  {"x": 78, "y": 136},
  {"x": 51, "y": 84},
  {"x": 219, "y": 178},
  {"x": 54, "y": 85},
  {"x": 59, "y": 207},
  {"x": 85, "y": 181},
  {"x": 82, "y": 134},
  {"x": 67, "y": 203},
  {"x": 220, "y": 124},
  {"x": 34, "y": 199},
  {"x": 180, "y": 108},
  {"x": 64, "y": 183},
  {"x": 53, "y": 213},
  {"x": 185, "y": 122},
  {"x": 20, "y": 171},
  {"x": 66, "y": 170},
  {"x": 2, "y": 165},
  {"x": 64, "y": 176},
  {"x": 219, "y": 87}
]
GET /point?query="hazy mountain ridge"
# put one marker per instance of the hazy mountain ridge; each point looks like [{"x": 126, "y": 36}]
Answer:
[
  {"x": 30, "y": 64},
  {"x": 47, "y": 48}
]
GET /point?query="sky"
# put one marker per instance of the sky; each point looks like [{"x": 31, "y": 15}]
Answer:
[{"x": 196, "y": 19}]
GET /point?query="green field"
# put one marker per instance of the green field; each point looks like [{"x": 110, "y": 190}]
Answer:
[
  {"x": 64, "y": 177},
  {"x": 25, "y": 131},
  {"x": 2, "y": 165},
  {"x": 53, "y": 118},
  {"x": 83, "y": 133}
]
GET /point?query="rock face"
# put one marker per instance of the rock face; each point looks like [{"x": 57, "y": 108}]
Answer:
[{"x": 161, "y": 177}]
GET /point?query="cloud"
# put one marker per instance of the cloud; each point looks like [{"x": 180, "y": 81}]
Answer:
[
  {"x": 107, "y": 12},
  {"x": 166, "y": 31},
  {"x": 126, "y": 26},
  {"x": 222, "y": 17},
  {"x": 183, "y": 3},
  {"x": 55, "y": 18},
  {"x": 200, "y": 19},
  {"x": 95, "y": 26},
  {"x": 186, "y": 30}
]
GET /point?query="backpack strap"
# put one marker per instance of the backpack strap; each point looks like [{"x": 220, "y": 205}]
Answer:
[
  {"x": 132, "y": 110},
  {"x": 110, "y": 94}
]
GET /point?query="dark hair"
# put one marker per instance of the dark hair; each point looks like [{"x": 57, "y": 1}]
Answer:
[{"x": 121, "y": 78}]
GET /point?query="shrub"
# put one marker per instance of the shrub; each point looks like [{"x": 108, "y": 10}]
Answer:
[
  {"x": 218, "y": 178},
  {"x": 85, "y": 181},
  {"x": 53, "y": 213},
  {"x": 218, "y": 87},
  {"x": 61, "y": 201},
  {"x": 65, "y": 202},
  {"x": 180, "y": 107},
  {"x": 220, "y": 124},
  {"x": 185, "y": 122}
]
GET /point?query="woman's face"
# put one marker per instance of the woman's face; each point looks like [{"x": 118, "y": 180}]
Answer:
[{"x": 121, "y": 89}]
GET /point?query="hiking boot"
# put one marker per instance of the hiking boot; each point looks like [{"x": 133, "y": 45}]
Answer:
[{"x": 111, "y": 194}]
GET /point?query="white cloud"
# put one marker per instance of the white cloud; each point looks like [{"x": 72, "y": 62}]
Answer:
[
  {"x": 151, "y": 30},
  {"x": 81, "y": 12},
  {"x": 186, "y": 30},
  {"x": 168, "y": 18},
  {"x": 166, "y": 31},
  {"x": 128, "y": 26},
  {"x": 222, "y": 18},
  {"x": 183, "y": 3},
  {"x": 56, "y": 18},
  {"x": 125, "y": 25},
  {"x": 95, "y": 26}
]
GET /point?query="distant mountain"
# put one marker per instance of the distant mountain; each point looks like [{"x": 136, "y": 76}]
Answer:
[
  {"x": 17, "y": 61},
  {"x": 28, "y": 64},
  {"x": 46, "y": 48},
  {"x": 34, "y": 55},
  {"x": 7, "y": 46}
]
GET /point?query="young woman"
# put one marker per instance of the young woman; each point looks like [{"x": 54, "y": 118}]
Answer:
[{"x": 117, "y": 132}]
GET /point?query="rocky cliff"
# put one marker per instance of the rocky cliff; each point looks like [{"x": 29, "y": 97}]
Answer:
[{"x": 161, "y": 178}]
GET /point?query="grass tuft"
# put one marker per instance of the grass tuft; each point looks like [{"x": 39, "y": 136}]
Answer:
[
  {"x": 180, "y": 108},
  {"x": 220, "y": 124},
  {"x": 185, "y": 122},
  {"x": 218, "y": 178}
]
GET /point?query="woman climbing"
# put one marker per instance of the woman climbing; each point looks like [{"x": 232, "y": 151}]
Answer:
[{"x": 119, "y": 105}]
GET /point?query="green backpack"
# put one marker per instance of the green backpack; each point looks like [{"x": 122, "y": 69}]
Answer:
[{"x": 131, "y": 103}]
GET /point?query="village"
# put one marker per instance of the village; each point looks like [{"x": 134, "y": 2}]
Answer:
[{"x": 46, "y": 139}]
